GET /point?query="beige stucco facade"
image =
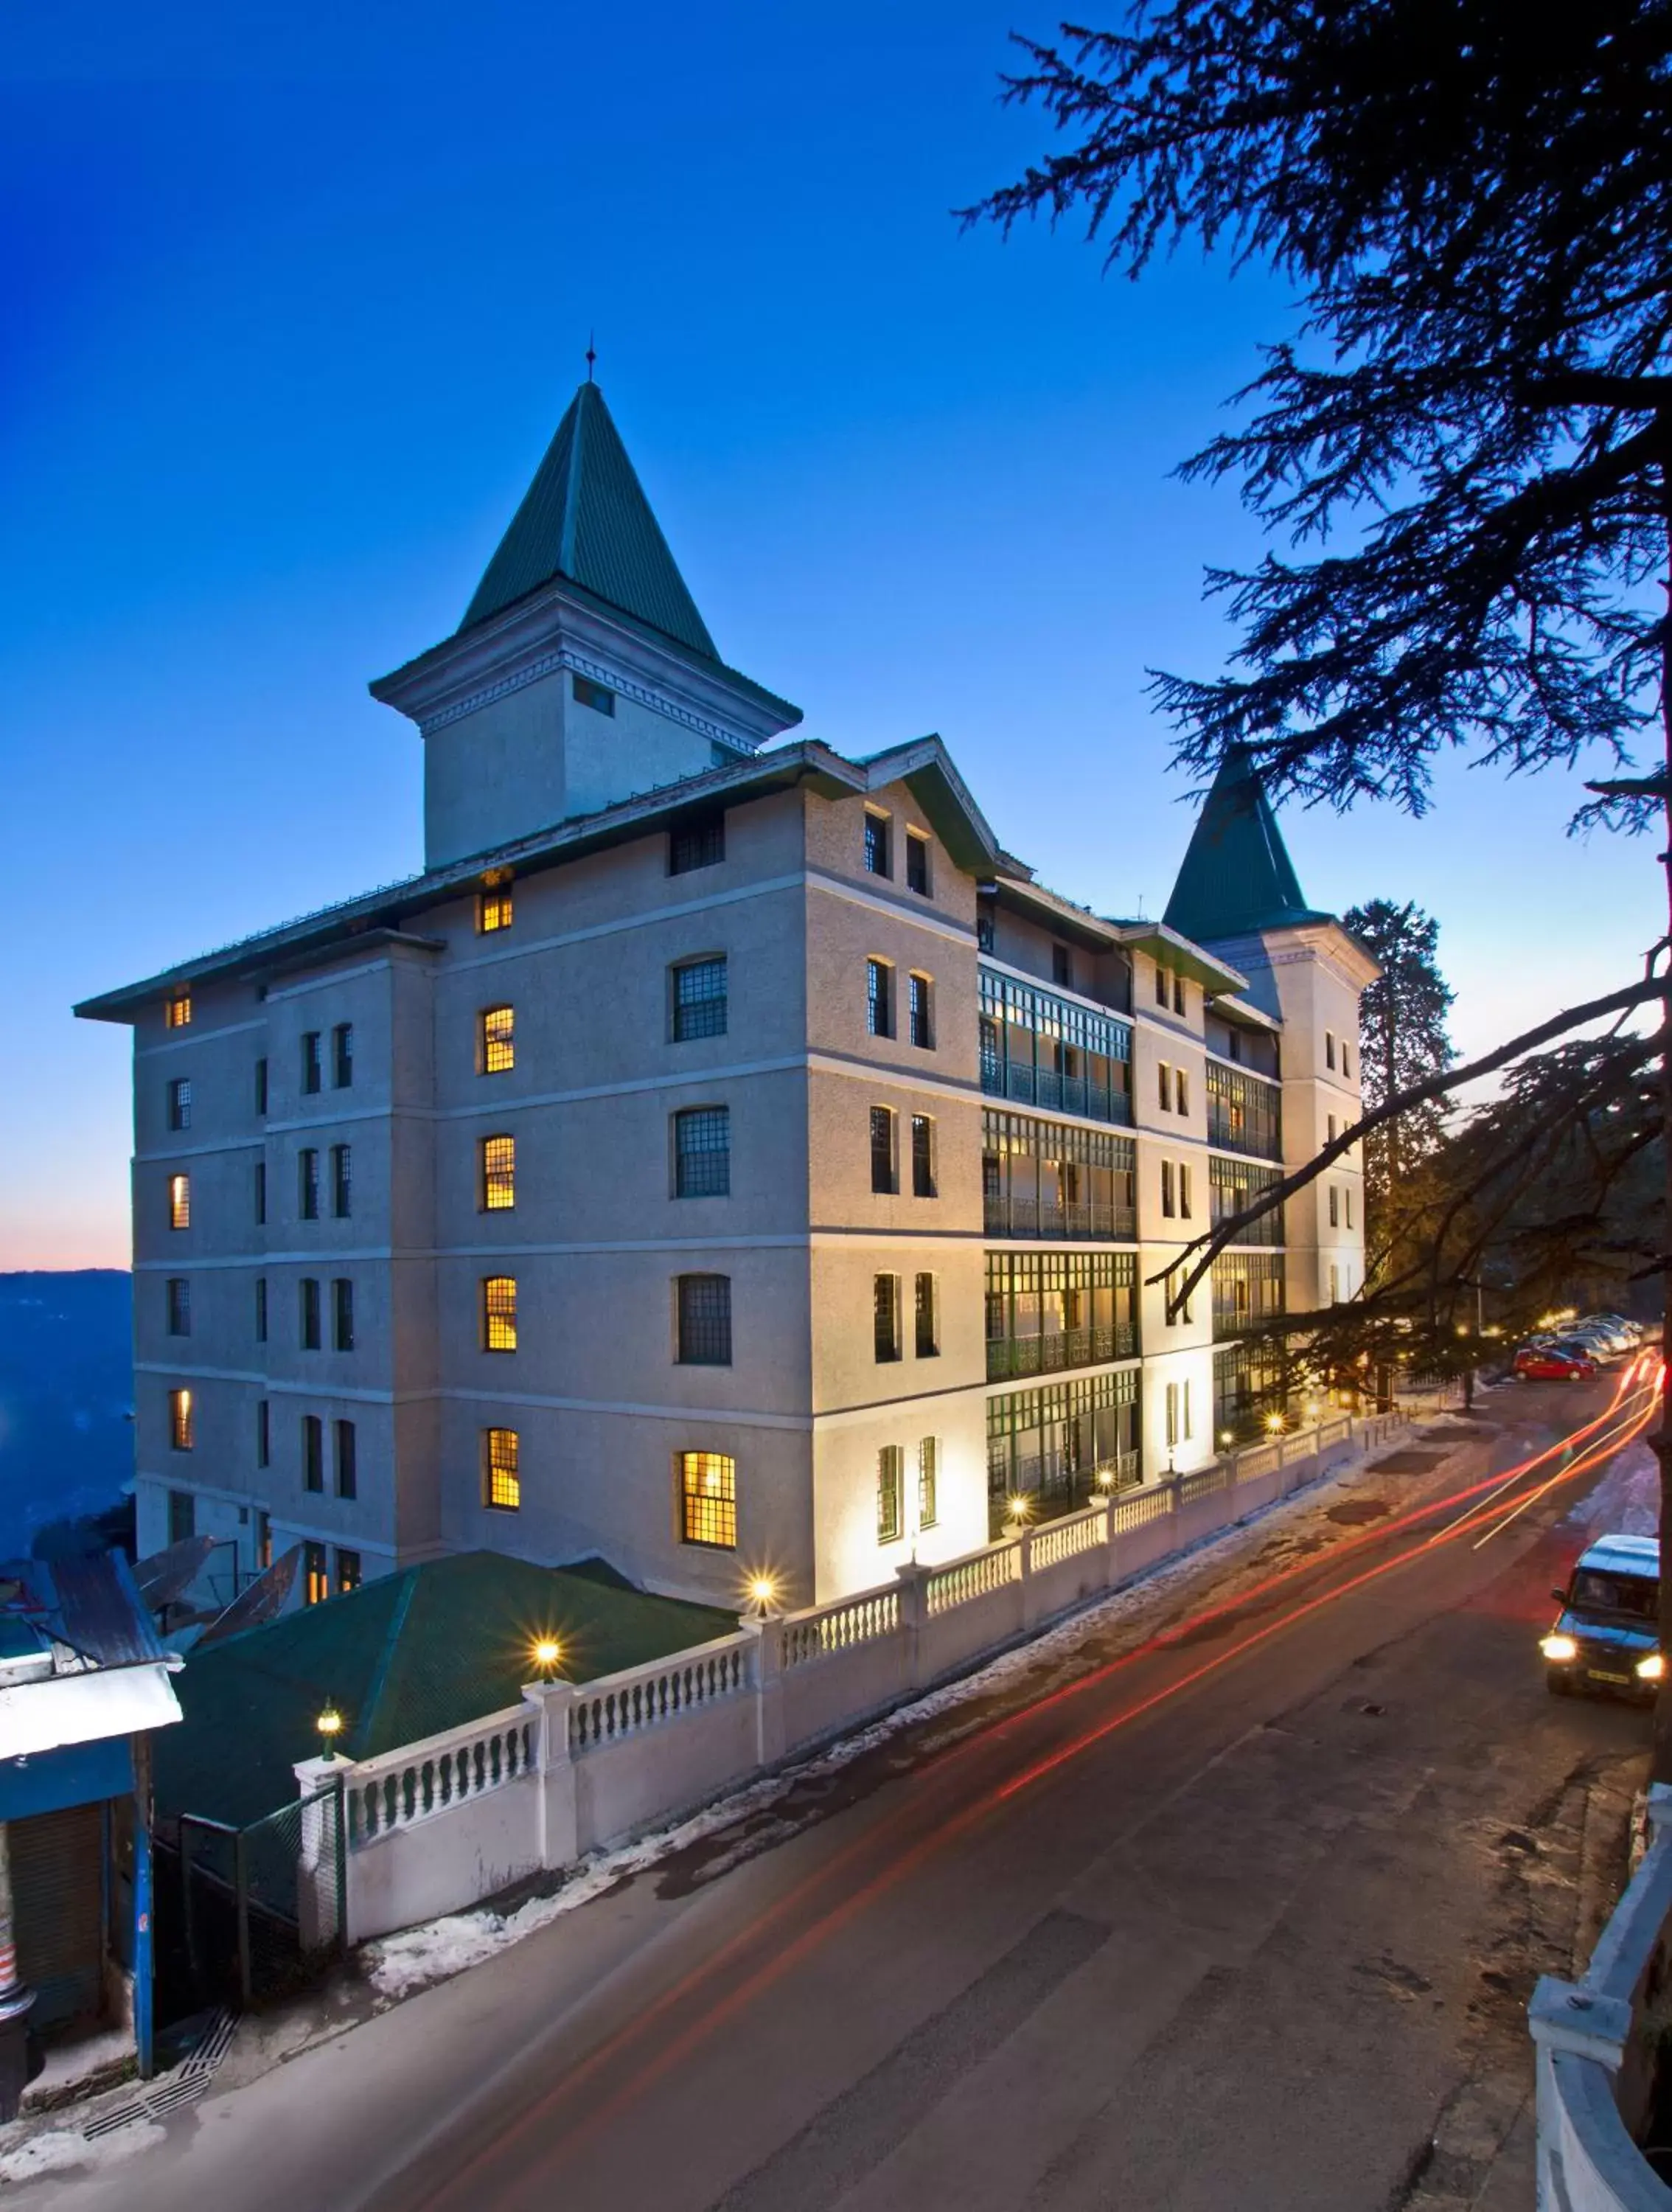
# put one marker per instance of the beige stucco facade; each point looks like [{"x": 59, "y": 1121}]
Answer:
[{"x": 940, "y": 1236}]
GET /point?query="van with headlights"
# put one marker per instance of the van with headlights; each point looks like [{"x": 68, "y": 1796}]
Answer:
[{"x": 1607, "y": 1636}]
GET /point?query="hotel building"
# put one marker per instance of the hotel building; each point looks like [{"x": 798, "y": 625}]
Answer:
[{"x": 723, "y": 1155}]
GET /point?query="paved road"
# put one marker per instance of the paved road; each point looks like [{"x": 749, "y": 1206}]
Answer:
[{"x": 1241, "y": 1919}]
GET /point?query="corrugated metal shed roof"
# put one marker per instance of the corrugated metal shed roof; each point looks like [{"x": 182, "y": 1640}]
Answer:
[
  {"x": 403, "y": 1657},
  {"x": 586, "y": 518},
  {"x": 87, "y": 1607}
]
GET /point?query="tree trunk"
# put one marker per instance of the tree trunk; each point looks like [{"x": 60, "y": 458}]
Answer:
[{"x": 1660, "y": 1765}]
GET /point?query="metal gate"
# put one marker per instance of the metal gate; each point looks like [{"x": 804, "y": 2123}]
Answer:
[
  {"x": 57, "y": 1861},
  {"x": 261, "y": 1910}
]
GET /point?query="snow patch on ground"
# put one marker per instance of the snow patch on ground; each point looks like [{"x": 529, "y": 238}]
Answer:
[
  {"x": 56, "y": 2150},
  {"x": 399, "y": 1966}
]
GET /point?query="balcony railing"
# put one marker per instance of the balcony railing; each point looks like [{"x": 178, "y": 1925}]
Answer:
[
  {"x": 1010, "y": 1217},
  {"x": 1064, "y": 1094},
  {"x": 1008, "y": 1356}
]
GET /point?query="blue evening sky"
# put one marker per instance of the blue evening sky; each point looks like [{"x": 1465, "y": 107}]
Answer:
[{"x": 294, "y": 297}]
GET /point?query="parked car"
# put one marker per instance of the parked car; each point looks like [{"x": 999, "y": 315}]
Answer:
[
  {"x": 1543, "y": 1363},
  {"x": 1607, "y": 1636}
]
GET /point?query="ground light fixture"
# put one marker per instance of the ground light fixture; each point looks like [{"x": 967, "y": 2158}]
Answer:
[
  {"x": 547, "y": 1652},
  {"x": 1560, "y": 1648},
  {"x": 329, "y": 1724},
  {"x": 1020, "y": 1507},
  {"x": 1227, "y": 1437},
  {"x": 762, "y": 1593},
  {"x": 1274, "y": 1424}
]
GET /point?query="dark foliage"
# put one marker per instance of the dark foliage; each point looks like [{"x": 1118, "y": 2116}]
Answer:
[
  {"x": 1478, "y": 218},
  {"x": 1401, "y": 1039}
]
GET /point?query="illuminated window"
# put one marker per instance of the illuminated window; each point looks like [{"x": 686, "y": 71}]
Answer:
[
  {"x": 876, "y": 845},
  {"x": 588, "y": 693},
  {"x": 341, "y": 1181},
  {"x": 180, "y": 1306},
  {"x": 312, "y": 1066},
  {"x": 882, "y": 1149},
  {"x": 891, "y": 1489},
  {"x": 697, "y": 843},
  {"x": 345, "y": 1459},
  {"x": 177, "y": 1013},
  {"x": 917, "y": 863},
  {"x": 928, "y": 1482},
  {"x": 502, "y": 1484},
  {"x": 499, "y": 1313},
  {"x": 703, "y": 1321},
  {"x": 341, "y": 1314},
  {"x": 921, "y": 1004},
  {"x": 498, "y": 1041},
  {"x": 179, "y": 1202},
  {"x": 886, "y": 1317},
  {"x": 313, "y": 1452},
  {"x": 878, "y": 999},
  {"x": 179, "y": 1103},
  {"x": 308, "y": 1183},
  {"x": 702, "y": 1152},
  {"x": 499, "y": 1174},
  {"x": 307, "y": 1296},
  {"x": 493, "y": 910},
  {"x": 699, "y": 1000},
  {"x": 708, "y": 1498},
  {"x": 316, "y": 1589},
  {"x": 348, "y": 1571},
  {"x": 342, "y": 1055},
  {"x": 181, "y": 1427},
  {"x": 926, "y": 1309}
]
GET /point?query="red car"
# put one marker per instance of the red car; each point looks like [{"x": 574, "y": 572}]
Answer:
[{"x": 1536, "y": 1364}]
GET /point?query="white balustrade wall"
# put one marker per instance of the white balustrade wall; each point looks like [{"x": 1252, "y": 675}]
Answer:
[
  {"x": 1597, "y": 2052},
  {"x": 438, "y": 1826}
]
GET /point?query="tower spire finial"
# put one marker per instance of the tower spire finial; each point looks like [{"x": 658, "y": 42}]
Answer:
[{"x": 592, "y": 356}]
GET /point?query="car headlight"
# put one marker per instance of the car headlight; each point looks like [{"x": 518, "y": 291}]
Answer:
[
  {"x": 1652, "y": 1666},
  {"x": 1560, "y": 1648}
]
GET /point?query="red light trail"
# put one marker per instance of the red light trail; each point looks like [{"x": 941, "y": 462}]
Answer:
[{"x": 1634, "y": 1405}]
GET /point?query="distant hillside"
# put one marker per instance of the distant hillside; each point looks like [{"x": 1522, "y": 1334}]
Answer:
[{"x": 66, "y": 1392}]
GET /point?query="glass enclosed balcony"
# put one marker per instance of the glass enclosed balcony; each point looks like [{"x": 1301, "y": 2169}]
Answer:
[{"x": 1040, "y": 1050}]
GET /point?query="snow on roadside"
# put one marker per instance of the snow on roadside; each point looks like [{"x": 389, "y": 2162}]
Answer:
[
  {"x": 399, "y": 1966},
  {"x": 56, "y": 2150}
]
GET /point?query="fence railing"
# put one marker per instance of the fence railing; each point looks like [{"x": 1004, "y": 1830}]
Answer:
[
  {"x": 1598, "y": 2043},
  {"x": 577, "y": 1767},
  {"x": 1019, "y": 1217}
]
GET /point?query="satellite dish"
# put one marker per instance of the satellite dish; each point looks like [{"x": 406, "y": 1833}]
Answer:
[
  {"x": 168, "y": 1574},
  {"x": 263, "y": 1601}
]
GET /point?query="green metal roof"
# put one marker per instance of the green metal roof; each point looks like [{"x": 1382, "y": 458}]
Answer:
[
  {"x": 1236, "y": 876},
  {"x": 433, "y": 1647},
  {"x": 585, "y": 518}
]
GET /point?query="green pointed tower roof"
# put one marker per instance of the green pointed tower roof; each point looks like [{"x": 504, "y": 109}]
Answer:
[
  {"x": 585, "y": 518},
  {"x": 1236, "y": 876}
]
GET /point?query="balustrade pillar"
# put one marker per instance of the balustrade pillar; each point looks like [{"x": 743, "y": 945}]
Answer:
[
  {"x": 766, "y": 1673},
  {"x": 559, "y": 1834},
  {"x": 913, "y": 1622},
  {"x": 322, "y": 1877}
]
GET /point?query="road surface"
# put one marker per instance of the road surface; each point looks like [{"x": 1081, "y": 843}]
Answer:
[{"x": 1235, "y": 1906}]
